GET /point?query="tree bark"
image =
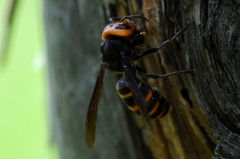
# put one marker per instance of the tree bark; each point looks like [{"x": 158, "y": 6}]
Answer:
[{"x": 204, "y": 122}]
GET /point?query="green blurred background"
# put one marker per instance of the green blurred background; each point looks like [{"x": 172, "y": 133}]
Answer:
[{"x": 23, "y": 99}]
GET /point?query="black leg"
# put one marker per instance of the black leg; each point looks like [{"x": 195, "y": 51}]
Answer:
[
  {"x": 156, "y": 76},
  {"x": 150, "y": 51}
]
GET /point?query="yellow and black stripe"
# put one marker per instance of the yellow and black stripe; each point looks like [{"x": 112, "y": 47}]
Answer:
[{"x": 156, "y": 105}]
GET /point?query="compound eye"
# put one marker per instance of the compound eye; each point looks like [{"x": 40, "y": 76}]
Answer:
[{"x": 122, "y": 27}]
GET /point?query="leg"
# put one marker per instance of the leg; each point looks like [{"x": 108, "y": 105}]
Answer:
[
  {"x": 150, "y": 51},
  {"x": 156, "y": 76}
]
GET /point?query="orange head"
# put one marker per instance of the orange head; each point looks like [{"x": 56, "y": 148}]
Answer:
[{"x": 120, "y": 29}]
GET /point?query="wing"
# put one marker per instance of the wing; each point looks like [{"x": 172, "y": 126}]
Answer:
[
  {"x": 90, "y": 123},
  {"x": 136, "y": 93}
]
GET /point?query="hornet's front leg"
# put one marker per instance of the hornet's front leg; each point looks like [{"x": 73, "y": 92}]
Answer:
[{"x": 153, "y": 50}]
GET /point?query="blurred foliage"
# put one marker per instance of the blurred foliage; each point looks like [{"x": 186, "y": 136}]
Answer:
[
  {"x": 8, "y": 13},
  {"x": 23, "y": 110}
]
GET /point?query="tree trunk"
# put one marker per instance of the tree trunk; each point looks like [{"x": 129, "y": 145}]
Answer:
[{"x": 204, "y": 103}]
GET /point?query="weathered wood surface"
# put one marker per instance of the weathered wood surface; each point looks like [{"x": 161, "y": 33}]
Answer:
[
  {"x": 214, "y": 45},
  {"x": 209, "y": 97}
]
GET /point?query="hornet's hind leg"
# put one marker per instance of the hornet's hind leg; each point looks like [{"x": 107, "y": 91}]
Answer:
[{"x": 156, "y": 76}]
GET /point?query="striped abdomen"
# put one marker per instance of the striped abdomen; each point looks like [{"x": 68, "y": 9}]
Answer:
[{"x": 156, "y": 105}]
